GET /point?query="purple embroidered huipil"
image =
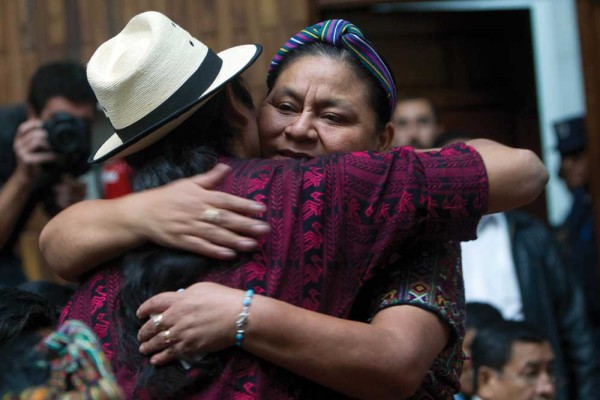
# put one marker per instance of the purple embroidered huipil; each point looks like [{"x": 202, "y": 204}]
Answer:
[{"x": 336, "y": 221}]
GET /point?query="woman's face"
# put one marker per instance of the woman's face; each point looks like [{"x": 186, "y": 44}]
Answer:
[{"x": 317, "y": 106}]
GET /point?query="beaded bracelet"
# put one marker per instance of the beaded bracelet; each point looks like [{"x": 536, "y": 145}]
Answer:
[{"x": 242, "y": 321}]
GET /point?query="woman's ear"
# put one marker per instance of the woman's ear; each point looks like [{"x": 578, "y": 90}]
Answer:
[
  {"x": 386, "y": 138},
  {"x": 241, "y": 118},
  {"x": 238, "y": 114}
]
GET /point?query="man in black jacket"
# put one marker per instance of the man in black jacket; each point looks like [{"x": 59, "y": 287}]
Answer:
[
  {"x": 516, "y": 266},
  {"x": 577, "y": 235}
]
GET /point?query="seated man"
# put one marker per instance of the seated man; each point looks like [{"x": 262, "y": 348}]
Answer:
[
  {"x": 512, "y": 361},
  {"x": 479, "y": 316}
]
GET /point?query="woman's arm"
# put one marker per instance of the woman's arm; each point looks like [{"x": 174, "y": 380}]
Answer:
[
  {"x": 91, "y": 232},
  {"x": 516, "y": 176},
  {"x": 171, "y": 215},
  {"x": 387, "y": 359}
]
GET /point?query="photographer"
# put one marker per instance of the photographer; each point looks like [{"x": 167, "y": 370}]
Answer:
[{"x": 44, "y": 145}]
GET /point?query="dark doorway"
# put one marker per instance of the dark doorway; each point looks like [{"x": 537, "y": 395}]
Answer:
[{"x": 477, "y": 67}]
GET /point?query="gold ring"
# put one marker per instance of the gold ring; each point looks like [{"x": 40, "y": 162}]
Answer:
[
  {"x": 166, "y": 336},
  {"x": 211, "y": 215}
]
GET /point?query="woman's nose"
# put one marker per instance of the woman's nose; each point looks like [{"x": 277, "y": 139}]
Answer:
[{"x": 302, "y": 128}]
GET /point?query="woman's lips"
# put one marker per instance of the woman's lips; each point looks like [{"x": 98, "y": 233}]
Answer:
[{"x": 292, "y": 154}]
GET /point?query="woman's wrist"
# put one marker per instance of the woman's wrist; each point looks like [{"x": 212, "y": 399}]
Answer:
[
  {"x": 130, "y": 214},
  {"x": 242, "y": 321}
]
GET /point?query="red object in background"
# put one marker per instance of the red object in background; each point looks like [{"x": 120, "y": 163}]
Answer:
[{"x": 115, "y": 179}]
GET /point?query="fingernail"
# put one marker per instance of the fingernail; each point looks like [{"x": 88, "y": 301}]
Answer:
[
  {"x": 227, "y": 253},
  {"x": 247, "y": 243},
  {"x": 258, "y": 207},
  {"x": 261, "y": 228}
]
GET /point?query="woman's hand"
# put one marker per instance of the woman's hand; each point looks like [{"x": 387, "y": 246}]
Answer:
[
  {"x": 186, "y": 214},
  {"x": 198, "y": 320}
]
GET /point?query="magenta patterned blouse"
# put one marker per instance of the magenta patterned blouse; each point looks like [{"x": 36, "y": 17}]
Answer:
[{"x": 336, "y": 222}]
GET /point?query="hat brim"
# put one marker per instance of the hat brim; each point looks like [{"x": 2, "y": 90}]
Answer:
[{"x": 235, "y": 61}]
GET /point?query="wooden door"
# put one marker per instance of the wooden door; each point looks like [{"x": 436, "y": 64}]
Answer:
[{"x": 477, "y": 67}]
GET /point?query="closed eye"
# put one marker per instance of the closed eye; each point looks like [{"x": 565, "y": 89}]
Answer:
[
  {"x": 334, "y": 118},
  {"x": 286, "y": 107}
]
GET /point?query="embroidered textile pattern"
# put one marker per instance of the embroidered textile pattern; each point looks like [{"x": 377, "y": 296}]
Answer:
[{"x": 335, "y": 223}]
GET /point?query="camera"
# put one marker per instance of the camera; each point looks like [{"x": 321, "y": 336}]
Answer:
[{"x": 70, "y": 138}]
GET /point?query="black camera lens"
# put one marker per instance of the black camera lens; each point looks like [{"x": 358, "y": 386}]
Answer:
[{"x": 69, "y": 136}]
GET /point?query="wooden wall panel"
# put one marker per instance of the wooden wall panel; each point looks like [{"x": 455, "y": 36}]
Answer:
[
  {"x": 33, "y": 32},
  {"x": 37, "y": 31}
]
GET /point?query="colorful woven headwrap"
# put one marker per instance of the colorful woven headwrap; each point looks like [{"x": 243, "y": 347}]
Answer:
[
  {"x": 341, "y": 33},
  {"x": 78, "y": 368}
]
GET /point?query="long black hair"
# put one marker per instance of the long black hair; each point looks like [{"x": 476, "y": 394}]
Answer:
[
  {"x": 191, "y": 148},
  {"x": 24, "y": 318}
]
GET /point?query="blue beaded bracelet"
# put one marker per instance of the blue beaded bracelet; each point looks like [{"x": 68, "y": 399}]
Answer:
[{"x": 242, "y": 321}]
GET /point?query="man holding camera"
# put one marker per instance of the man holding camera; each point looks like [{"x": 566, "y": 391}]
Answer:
[{"x": 44, "y": 146}]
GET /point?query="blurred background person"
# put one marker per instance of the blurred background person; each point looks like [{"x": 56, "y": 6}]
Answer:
[
  {"x": 478, "y": 316},
  {"x": 416, "y": 123},
  {"x": 44, "y": 146},
  {"x": 515, "y": 265},
  {"x": 576, "y": 234},
  {"x": 513, "y": 361}
]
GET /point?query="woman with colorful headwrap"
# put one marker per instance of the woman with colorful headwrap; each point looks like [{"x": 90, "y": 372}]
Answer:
[
  {"x": 305, "y": 116},
  {"x": 41, "y": 363}
]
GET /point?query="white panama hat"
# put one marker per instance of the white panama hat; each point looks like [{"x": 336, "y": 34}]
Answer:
[{"x": 153, "y": 75}]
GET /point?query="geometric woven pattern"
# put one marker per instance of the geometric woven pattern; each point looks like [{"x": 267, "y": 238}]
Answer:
[{"x": 337, "y": 223}]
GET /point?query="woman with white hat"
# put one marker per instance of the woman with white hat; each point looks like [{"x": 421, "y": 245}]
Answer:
[{"x": 166, "y": 323}]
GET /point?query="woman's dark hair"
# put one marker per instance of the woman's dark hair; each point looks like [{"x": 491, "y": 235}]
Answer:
[
  {"x": 22, "y": 311},
  {"x": 377, "y": 97},
  {"x": 189, "y": 149},
  {"x": 23, "y": 318},
  {"x": 57, "y": 295}
]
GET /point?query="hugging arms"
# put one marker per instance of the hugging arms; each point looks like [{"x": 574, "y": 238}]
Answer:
[
  {"x": 285, "y": 334},
  {"x": 389, "y": 356}
]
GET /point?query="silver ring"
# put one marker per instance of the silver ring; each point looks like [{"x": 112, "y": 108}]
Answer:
[
  {"x": 157, "y": 321},
  {"x": 211, "y": 215}
]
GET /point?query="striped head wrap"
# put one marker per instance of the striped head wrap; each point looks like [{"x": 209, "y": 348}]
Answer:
[
  {"x": 341, "y": 33},
  {"x": 78, "y": 368}
]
